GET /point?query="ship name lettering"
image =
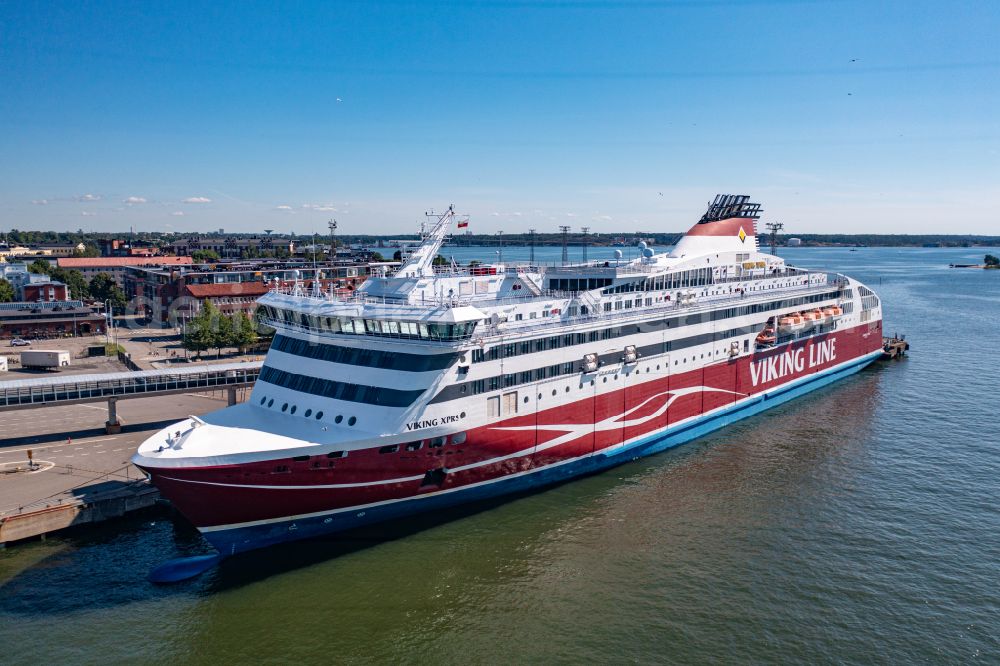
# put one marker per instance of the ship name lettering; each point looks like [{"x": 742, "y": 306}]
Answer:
[{"x": 792, "y": 361}]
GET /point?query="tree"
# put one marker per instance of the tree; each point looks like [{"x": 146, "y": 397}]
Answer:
[
  {"x": 397, "y": 255},
  {"x": 439, "y": 261},
  {"x": 199, "y": 333},
  {"x": 6, "y": 291},
  {"x": 103, "y": 287},
  {"x": 222, "y": 336},
  {"x": 205, "y": 256},
  {"x": 991, "y": 260},
  {"x": 78, "y": 287},
  {"x": 40, "y": 267},
  {"x": 87, "y": 251},
  {"x": 377, "y": 256},
  {"x": 244, "y": 332}
]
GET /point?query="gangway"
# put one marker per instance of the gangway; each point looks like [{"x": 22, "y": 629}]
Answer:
[{"x": 115, "y": 386}]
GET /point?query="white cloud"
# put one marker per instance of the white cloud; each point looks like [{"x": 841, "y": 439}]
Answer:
[
  {"x": 90, "y": 197},
  {"x": 134, "y": 200},
  {"x": 88, "y": 213},
  {"x": 601, "y": 218},
  {"x": 40, "y": 202},
  {"x": 494, "y": 214},
  {"x": 571, "y": 215},
  {"x": 327, "y": 208},
  {"x": 197, "y": 200},
  {"x": 283, "y": 207},
  {"x": 178, "y": 213},
  {"x": 517, "y": 213}
]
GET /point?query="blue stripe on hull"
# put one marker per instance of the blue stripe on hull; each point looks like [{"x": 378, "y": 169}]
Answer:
[{"x": 238, "y": 539}]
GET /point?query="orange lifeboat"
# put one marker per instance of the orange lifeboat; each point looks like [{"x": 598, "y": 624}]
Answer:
[
  {"x": 813, "y": 317},
  {"x": 833, "y": 312},
  {"x": 791, "y": 322},
  {"x": 766, "y": 337}
]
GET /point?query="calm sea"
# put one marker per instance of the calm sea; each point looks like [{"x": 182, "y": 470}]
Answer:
[{"x": 859, "y": 524}]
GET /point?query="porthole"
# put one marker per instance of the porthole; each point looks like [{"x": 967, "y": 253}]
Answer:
[
  {"x": 462, "y": 415},
  {"x": 553, "y": 391},
  {"x": 293, "y": 409},
  {"x": 539, "y": 396},
  {"x": 308, "y": 413},
  {"x": 270, "y": 403},
  {"x": 567, "y": 389},
  {"x": 284, "y": 407},
  {"x": 263, "y": 400},
  {"x": 339, "y": 418},
  {"x": 605, "y": 380},
  {"x": 592, "y": 382},
  {"x": 351, "y": 421},
  {"x": 581, "y": 384},
  {"x": 657, "y": 366},
  {"x": 319, "y": 415},
  {"x": 525, "y": 399}
]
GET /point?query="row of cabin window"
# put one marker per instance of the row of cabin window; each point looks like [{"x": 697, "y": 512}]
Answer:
[
  {"x": 691, "y": 278},
  {"x": 561, "y": 369},
  {"x": 433, "y": 443},
  {"x": 372, "y": 358},
  {"x": 376, "y": 327},
  {"x": 372, "y": 395},
  {"x": 571, "y": 339}
]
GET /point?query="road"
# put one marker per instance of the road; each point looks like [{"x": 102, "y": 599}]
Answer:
[{"x": 69, "y": 445}]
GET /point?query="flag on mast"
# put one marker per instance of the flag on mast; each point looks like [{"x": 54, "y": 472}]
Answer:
[{"x": 463, "y": 224}]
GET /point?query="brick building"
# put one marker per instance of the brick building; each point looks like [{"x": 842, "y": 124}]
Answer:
[{"x": 116, "y": 266}]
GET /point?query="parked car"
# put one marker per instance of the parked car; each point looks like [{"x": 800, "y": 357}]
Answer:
[{"x": 18, "y": 342}]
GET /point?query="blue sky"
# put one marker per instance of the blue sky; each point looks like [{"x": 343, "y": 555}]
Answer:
[{"x": 622, "y": 116}]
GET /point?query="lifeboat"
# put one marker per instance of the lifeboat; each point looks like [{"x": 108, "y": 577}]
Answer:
[
  {"x": 766, "y": 337},
  {"x": 833, "y": 312},
  {"x": 791, "y": 323},
  {"x": 813, "y": 317}
]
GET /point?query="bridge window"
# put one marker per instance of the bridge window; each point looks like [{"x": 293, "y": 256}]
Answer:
[
  {"x": 458, "y": 438},
  {"x": 414, "y": 446},
  {"x": 336, "y": 454},
  {"x": 392, "y": 448}
]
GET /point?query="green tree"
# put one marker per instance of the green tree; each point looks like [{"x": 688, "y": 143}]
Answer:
[
  {"x": 6, "y": 291},
  {"x": 244, "y": 332},
  {"x": 78, "y": 287},
  {"x": 439, "y": 261},
  {"x": 223, "y": 335},
  {"x": 990, "y": 260},
  {"x": 103, "y": 287},
  {"x": 40, "y": 267},
  {"x": 200, "y": 330},
  {"x": 397, "y": 255},
  {"x": 377, "y": 256},
  {"x": 206, "y": 256}
]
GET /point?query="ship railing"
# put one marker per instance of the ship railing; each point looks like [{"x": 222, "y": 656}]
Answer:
[{"x": 641, "y": 312}]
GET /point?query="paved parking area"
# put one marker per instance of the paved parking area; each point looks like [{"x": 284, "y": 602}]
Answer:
[{"x": 71, "y": 449}]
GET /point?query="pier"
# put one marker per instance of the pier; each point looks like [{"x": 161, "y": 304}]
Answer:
[{"x": 895, "y": 346}]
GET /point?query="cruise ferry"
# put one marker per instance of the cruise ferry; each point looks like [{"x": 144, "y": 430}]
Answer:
[{"x": 438, "y": 385}]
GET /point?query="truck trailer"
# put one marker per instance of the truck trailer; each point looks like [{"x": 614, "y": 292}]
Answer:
[{"x": 45, "y": 358}]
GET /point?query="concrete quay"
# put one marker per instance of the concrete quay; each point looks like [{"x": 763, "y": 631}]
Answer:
[{"x": 81, "y": 474}]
